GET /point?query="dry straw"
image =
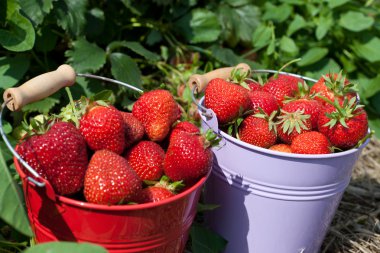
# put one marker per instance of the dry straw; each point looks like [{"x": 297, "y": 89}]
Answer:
[{"x": 356, "y": 226}]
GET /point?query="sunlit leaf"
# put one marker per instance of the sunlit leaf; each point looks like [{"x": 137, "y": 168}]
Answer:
[
  {"x": 71, "y": 15},
  {"x": 125, "y": 69},
  {"x": 18, "y": 34},
  {"x": 297, "y": 23},
  {"x": 136, "y": 47},
  {"x": 312, "y": 56},
  {"x": 86, "y": 56},
  {"x": 369, "y": 50},
  {"x": 355, "y": 21}
]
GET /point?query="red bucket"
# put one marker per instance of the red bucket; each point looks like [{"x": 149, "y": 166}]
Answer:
[{"x": 152, "y": 227}]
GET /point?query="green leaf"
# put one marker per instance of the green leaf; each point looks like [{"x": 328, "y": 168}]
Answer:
[
  {"x": 321, "y": 68},
  {"x": 18, "y": 34},
  {"x": 125, "y": 69},
  {"x": 355, "y": 21},
  {"x": 237, "y": 3},
  {"x": 104, "y": 95},
  {"x": 324, "y": 25},
  {"x": 64, "y": 247},
  {"x": 5, "y": 152},
  {"x": 12, "y": 69},
  {"x": 288, "y": 45},
  {"x": 44, "y": 105},
  {"x": 206, "y": 207},
  {"x": 46, "y": 40},
  {"x": 312, "y": 56},
  {"x": 225, "y": 55},
  {"x": 294, "y": 2},
  {"x": 374, "y": 124},
  {"x": 135, "y": 47},
  {"x": 86, "y": 56},
  {"x": 262, "y": 36},
  {"x": 336, "y": 3},
  {"x": 7, "y": 127},
  {"x": 371, "y": 87},
  {"x": 369, "y": 50},
  {"x": 277, "y": 13},
  {"x": 204, "y": 240},
  {"x": 95, "y": 23},
  {"x": 71, "y": 15},
  {"x": 130, "y": 5},
  {"x": 200, "y": 25},
  {"x": 238, "y": 23},
  {"x": 12, "y": 209},
  {"x": 36, "y": 10},
  {"x": 297, "y": 23}
]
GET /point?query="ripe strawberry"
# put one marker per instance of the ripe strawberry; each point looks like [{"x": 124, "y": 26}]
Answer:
[
  {"x": 153, "y": 194},
  {"x": 308, "y": 106},
  {"x": 264, "y": 100},
  {"x": 311, "y": 143},
  {"x": 110, "y": 179},
  {"x": 258, "y": 130},
  {"x": 157, "y": 111},
  {"x": 290, "y": 124},
  {"x": 134, "y": 130},
  {"x": 184, "y": 126},
  {"x": 188, "y": 157},
  {"x": 59, "y": 155},
  {"x": 103, "y": 128},
  {"x": 226, "y": 99},
  {"x": 281, "y": 148},
  {"x": 344, "y": 125},
  {"x": 146, "y": 158},
  {"x": 281, "y": 87},
  {"x": 333, "y": 86},
  {"x": 253, "y": 85}
]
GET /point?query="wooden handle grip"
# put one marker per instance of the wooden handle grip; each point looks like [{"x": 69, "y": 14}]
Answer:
[
  {"x": 201, "y": 81},
  {"x": 39, "y": 87}
]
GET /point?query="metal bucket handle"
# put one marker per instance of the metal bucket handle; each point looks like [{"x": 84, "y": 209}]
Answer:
[
  {"x": 198, "y": 83},
  {"x": 38, "y": 88}
]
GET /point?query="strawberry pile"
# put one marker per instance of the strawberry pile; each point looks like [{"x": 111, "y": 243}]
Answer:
[
  {"x": 108, "y": 156},
  {"x": 286, "y": 114}
]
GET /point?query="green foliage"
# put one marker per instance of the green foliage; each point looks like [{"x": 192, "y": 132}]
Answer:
[
  {"x": 63, "y": 247},
  {"x": 151, "y": 44}
]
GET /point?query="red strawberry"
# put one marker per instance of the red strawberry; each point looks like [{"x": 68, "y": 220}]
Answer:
[
  {"x": 253, "y": 85},
  {"x": 258, "y": 130},
  {"x": 344, "y": 125},
  {"x": 311, "y": 143},
  {"x": 157, "y": 111},
  {"x": 264, "y": 100},
  {"x": 281, "y": 148},
  {"x": 188, "y": 157},
  {"x": 184, "y": 126},
  {"x": 146, "y": 158},
  {"x": 59, "y": 155},
  {"x": 290, "y": 124},
  {"x": 153, "y": 194},
  {"x": 110, "y": 179},
  {"x": 226, "y": 99},
  {"x": 134, "y": 130},
  {"x": 103, "y": 128},
  {"x": 333, "y": 86},
  {"x": 282, "y": 86},
  {"x": 308, "y": 106}
]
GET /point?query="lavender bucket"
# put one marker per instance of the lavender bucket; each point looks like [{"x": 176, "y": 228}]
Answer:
[{"x": 272, "y": 202}]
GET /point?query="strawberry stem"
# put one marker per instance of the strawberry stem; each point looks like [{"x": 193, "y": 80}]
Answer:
[
  {"x": 283, "y": 67},
  {"x": 75, "y": 118}
]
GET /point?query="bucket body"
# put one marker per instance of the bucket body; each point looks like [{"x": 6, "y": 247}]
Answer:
[
  {"x": 272, "y": 202},
  {"x": 150, "y": 228}
]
